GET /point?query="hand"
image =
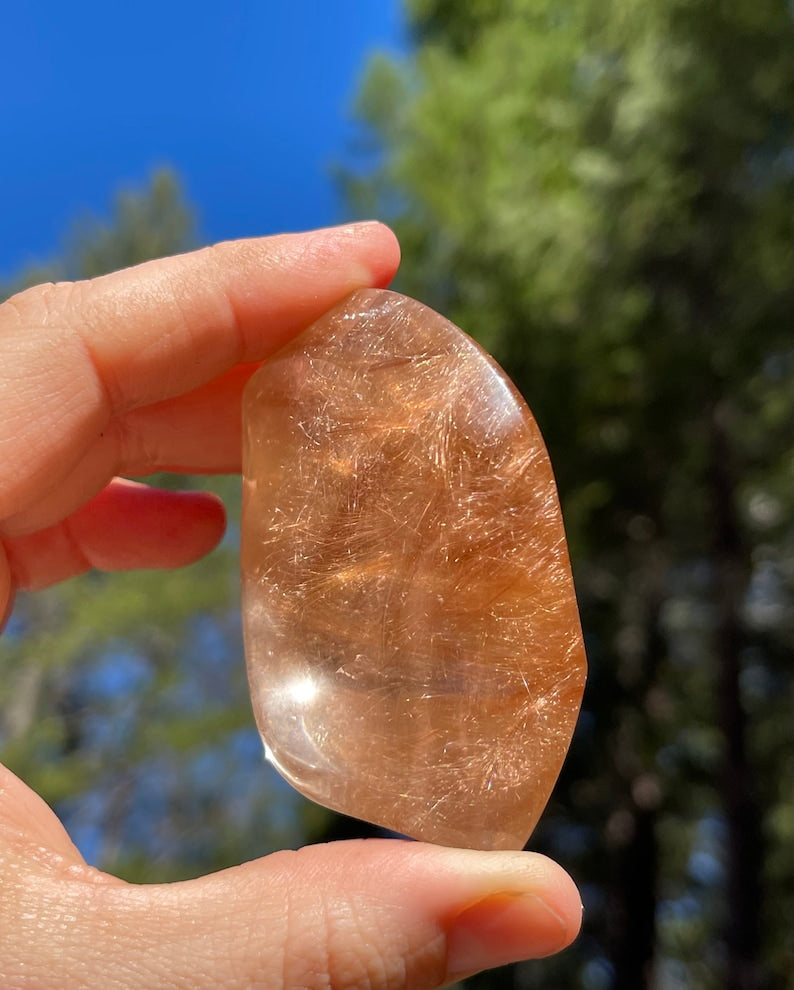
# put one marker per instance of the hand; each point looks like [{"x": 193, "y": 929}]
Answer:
[{"x": 137, "y": 372}]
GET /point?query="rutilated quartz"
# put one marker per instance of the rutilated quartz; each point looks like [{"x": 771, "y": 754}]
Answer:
[{"x": 413, "y": 641}]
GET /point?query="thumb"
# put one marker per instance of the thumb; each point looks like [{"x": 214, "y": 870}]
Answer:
[
  {"x": 371, "y": 914},
  {"x": 386, "y": 914}
]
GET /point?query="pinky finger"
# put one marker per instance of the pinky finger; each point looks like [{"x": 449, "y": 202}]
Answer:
[{"x": 125, "y": 527}]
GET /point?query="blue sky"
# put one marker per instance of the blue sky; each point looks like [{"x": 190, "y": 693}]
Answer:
[{"x": 249, "y": 101}]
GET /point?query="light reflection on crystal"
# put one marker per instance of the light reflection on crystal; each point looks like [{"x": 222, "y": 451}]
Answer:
[{"x": 302, "y": 691}]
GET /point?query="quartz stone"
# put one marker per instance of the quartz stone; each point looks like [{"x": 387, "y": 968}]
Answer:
[{"x": 412, "y": 635}]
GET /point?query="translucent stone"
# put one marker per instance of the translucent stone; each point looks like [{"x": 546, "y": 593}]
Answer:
[{"x": 412, "y": 635}]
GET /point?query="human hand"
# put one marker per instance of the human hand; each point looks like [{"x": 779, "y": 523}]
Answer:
[{"x": 137, "y": 372}]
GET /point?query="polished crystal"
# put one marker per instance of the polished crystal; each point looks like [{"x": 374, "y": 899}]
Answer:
[{"x": 412, "y": 635}]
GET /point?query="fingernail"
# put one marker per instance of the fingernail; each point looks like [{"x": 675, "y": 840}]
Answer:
[
  {"x": 7, "y": 590},
  {"x": 359, "y": 224},
  {"x": 349, "y": 227},
  {"x": 501, "y": 929},
  {"x": 5, "y": 612}
]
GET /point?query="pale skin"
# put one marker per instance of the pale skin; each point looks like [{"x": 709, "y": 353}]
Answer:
[{"x": 137, "y": 372}]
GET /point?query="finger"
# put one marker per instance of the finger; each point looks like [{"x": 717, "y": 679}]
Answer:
[
  {"x": 378, "y": 914},
  {"x": 30, "y": 832},
  {"x": 74, "y": 356},
  {"x": 195, "y": 433},
  {"x": 126, "y": 526}
]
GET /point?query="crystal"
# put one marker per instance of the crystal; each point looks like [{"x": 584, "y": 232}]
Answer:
[{"x": 412, "y": 635}]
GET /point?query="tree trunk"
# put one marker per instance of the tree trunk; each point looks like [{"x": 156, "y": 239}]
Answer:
[
  {"x": 744, "y": 852},
  {"x": 638, "y": 871},
  {"x": 637, "y": 867}
]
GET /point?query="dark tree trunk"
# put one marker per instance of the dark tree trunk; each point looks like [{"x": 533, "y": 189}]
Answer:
[
  {"x": 635, "y": 890},
  {"x": 638, "y": 870},
  {"x": 744, "y": 852}
]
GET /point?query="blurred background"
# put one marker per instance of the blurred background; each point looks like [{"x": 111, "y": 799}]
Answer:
[{"x": 600, "y": 191}]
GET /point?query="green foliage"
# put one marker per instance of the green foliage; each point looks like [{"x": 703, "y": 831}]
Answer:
[
  {"x": 152, "y": 224},
  {"x": 602, "y": 193}
]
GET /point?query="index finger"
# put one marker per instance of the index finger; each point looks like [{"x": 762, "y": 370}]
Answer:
[{"x": 72, "y": 356}]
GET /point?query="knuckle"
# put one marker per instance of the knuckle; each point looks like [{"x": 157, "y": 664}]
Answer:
[{"x": 38, "y": 305}]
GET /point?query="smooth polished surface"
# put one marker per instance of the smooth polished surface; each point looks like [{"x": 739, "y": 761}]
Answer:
[{"x": 412, "y": 635}]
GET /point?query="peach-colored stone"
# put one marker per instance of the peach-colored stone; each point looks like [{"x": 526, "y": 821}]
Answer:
[{"x": 412, "y": 635}]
